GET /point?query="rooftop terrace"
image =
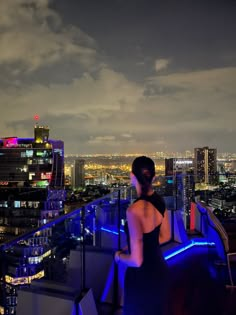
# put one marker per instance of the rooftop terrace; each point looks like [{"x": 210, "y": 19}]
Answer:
[{"x": 69, "y": 262}]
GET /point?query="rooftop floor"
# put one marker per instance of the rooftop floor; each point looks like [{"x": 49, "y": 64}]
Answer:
[{"x": 197, "y": 286}]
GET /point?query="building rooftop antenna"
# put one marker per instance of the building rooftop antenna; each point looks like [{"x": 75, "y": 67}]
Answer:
[{"x": 36, "y": 118}]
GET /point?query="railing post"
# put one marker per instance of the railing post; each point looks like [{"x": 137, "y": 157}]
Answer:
[
  {"x": 94, "y": 229},
  {"x": 83, "y": 271},
  {"x": 119, "y": 220},
  {"x": 116, "y": 282}
]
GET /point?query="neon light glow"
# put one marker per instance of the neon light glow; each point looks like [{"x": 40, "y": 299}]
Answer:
[
  {"x": 24, "y": 280},
  {"x": 192, "y": 216},
  {"x": 3, "y": 183},
  {"x": 111, "y": 231},
  {"x": 47, "y": 175},
  {"x": 175, "y": 251},
  {"x": 42, "y": 183},
  {"x": 39, "y": 140},
  {"x": 38, "y": 259},
  {"x": 183, "y": 248},
  {"x": 10, "y": 142}
]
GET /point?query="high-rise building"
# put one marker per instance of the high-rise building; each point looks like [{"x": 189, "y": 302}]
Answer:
[
  {"x": 205, "y": 165},
  {"x": 79, "y": 173},
  {"x": 31, "y": 181},
  {"x": 180, "y": 184},
  {"x": 31, "y": 193}
]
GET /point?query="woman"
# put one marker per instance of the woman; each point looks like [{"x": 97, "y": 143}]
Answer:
[{"x": 146, "y": 278}]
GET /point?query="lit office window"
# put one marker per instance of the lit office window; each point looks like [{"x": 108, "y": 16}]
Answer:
[
  {"x": 16, "y": 204},
  {"x": 29, "y": 153},
  {"x": 31, "y": 175},
  {"x": 3, "y": 204}
]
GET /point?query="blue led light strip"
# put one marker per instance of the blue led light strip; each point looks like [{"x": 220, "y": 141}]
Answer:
[
  {"x": 181, "y": 248},
  {"x": 111, "y": 231}
]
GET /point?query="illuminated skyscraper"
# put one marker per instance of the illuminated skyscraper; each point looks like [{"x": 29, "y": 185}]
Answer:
[
  {"x": 205, "y": 165},
  {"x": 31, "y": 193},
  {"x": 79, "y": 173},
  {"x": 180, "y": 183},
  {"x": 31, "y": 181}
]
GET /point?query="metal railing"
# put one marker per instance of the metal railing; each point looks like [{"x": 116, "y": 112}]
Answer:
[{"x": 43, "y": 254}]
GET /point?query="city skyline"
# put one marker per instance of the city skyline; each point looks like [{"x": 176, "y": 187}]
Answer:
[{"x": 120, "y": 76}]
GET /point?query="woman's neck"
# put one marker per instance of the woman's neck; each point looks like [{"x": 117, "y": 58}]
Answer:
[{"x": 139, "y": 191}]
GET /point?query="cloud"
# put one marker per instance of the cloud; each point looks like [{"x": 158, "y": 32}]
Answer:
[
  {"x": 126, "y": 135},
  {"x": 100, "y": 100},
  {"x": 198, "y": 108},
  {"x": 161, "y": 64},
  {"x": 86, "y": 110},
  {"x": 77, "y": 86},
  {"x": 105, "y": 112},
  {"x": 33, "y": 36},
  {"x": 101, "y": 139}
]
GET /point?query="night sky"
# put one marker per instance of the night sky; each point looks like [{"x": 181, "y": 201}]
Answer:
[{"x": 120, "y": 76}]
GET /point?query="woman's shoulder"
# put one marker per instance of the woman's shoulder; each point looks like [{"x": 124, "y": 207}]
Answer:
[{"x": 135, "y": 207}]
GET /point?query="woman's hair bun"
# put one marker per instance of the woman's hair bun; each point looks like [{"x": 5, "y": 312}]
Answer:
[{"x": 144, "y": 169}]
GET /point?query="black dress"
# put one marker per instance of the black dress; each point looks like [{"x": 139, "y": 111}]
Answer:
[{"x": 146, "y": 287}]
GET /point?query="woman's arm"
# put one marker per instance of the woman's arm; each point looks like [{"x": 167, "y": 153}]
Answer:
[
  {"x": 165, "y": 229},
  {"x": 134, "y": 259}
]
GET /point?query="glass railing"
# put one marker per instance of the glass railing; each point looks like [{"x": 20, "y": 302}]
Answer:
[
  {"x": 42, "y": 258},
  {"x": 65, "y": 255}
]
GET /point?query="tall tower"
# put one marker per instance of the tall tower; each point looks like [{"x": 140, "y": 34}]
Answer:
[
  {"x": 79, "y": 173},
  {"x": 205, "y": 165},
  {"x": 31, "y": 194},
  {"x": 31, "y": 181},
  {"x": 180, "y": 183}
]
